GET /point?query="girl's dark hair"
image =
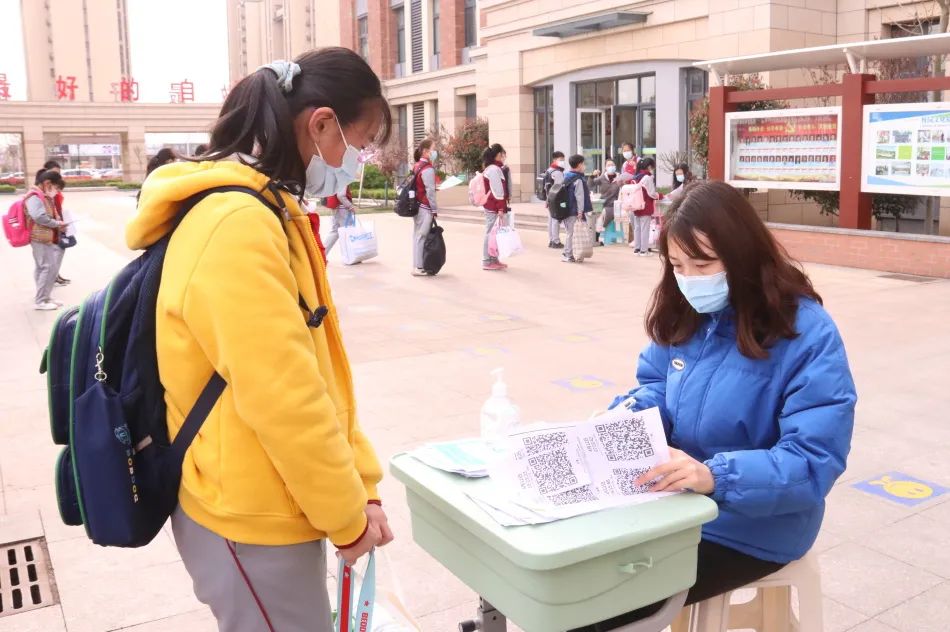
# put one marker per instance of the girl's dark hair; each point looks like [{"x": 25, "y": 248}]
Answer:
[
  {"x": 424, "y": 145},
  {"x": 645, "y": 163},
  {"x": 52, "y": 164},
  {"x": 201, "y": 149},
  {"x": 682, "y": 166},
  {"x": 164, "y": 156},
  {"x": 491, "y": 154},
  {"x": 50, "y": 176},
  {"x": 765, "y": 284},
  {"x": 257, "y": 118}
]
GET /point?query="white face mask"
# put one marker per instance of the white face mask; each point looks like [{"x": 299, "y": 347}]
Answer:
[
  {"x": 324, "y": 180},
  {"x": 680, "y": 177},
  {"x": 433, "y": 155},
  {"x": 562, "y": 164},
  {"x": 627, "y": 155},
  {"x": 611, "y": 169}
]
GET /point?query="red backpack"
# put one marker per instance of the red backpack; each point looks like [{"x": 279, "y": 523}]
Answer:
[{"x": 17, "y": 224}]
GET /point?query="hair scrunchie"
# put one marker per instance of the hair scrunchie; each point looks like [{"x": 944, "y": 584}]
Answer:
[{"x": 285, "y": 71}]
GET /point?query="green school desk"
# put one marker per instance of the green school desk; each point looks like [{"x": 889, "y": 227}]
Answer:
[{"x": 562, "y": 575}]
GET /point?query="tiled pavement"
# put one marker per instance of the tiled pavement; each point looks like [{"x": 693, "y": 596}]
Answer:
[{"x": 421, "y": 350}]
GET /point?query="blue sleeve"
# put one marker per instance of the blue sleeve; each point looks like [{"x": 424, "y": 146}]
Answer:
[
  {"x": 815, "y": 423},
  {"x": 651, "y": 377}
]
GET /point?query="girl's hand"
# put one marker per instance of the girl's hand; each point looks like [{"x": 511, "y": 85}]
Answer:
[{"x": 681, "y": 473}]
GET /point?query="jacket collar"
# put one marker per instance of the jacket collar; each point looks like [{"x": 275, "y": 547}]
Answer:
[{"x": 724, "y": 322}]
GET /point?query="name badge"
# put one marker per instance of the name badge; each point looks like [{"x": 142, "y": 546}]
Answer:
[{"x": 679, "y": 364}]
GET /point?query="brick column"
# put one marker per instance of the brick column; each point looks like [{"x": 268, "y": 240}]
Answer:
[
  {"x": 134, "y": 159},
  {"x": 347, "y": 24},
  {"x": 382, "y": 39},
  {"x": 718, "y": 107},
  {"x": 34, "y": 151},
  {"x": 452, "y": 30},
  {"x": 855, "y": 207}
]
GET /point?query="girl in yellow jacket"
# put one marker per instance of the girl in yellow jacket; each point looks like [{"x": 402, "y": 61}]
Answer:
[{"x": 280, "y": 465}]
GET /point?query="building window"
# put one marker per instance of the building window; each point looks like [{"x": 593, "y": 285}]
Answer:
[
  {"x": 629, "y": 114},
  {"x": 415, "y": 30},
  {"x": 471, "y": 25},
  {"x": 471, "y": 107},
  {"x": 362, "y": 32},
  {"x": 543, "y": 132},
  {"x": 435, "y": 28},
  {"x": 697, "y": 85},
  {"x": 418, "y": 122},
  {"x": 399, "y": 17},
  {"x": 404, "y": 125}
]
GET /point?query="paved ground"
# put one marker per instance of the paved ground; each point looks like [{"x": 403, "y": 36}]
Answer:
[{"x": 421, "y": 350}]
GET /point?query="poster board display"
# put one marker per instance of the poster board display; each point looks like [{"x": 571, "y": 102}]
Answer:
[
  {"x": 798, "y": 148},
  {"x": 906, "y": 149}
]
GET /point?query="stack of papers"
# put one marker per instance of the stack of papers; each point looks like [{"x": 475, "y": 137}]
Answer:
[
  {"x": 560, "y": 471},
  {"x": 468, "y": 457}
]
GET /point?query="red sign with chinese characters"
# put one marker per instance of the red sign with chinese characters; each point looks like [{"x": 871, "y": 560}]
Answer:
[
  {"x": 126, "y": 91},
  {"x": 4, "y": 88},
  {"x": 183, "y": 92},
  {"x": 66, "y": 88}
]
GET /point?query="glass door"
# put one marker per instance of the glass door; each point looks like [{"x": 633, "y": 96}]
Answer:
[
  {"x": 648, "y": 131},
  {"x": 591, "y": 137},
  {"x": 625, "y": 131}
]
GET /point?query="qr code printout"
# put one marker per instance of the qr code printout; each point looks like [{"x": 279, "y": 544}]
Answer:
[
  {"x": 553, "y": 471},
  {"x": 626, "y": 440},
  {"x": 627, "y": 480},
  {"x": 535, "y": 444},
  {"x": 580, "y": 495}
]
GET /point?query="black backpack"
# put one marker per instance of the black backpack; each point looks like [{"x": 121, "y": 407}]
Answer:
[
  {"x": 547, "y": 182},
  {"x": 558, "y": 202},
  {"x": 433, "y": 250},
  {"x": 407, "y": 204}
]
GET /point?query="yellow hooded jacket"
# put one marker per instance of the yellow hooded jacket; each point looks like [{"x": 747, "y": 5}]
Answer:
[{"x": 281, "y": 458}]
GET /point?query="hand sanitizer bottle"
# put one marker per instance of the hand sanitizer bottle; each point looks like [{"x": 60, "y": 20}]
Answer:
[{"x": 499, "y": 415}]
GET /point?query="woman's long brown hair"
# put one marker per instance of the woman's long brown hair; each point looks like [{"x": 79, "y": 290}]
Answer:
[{"x": 765, "y": 284}]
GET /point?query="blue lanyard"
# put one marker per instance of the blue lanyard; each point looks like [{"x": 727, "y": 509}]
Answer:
[{"x": 363, "y": 621}]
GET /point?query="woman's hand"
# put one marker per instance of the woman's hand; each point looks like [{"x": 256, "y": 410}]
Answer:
[
  {"x": 364, "y": 545},
  {"x": 681, "y": 472},
  {"x": 376, "y": 516}
]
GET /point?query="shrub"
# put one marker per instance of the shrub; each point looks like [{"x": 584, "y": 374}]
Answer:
[
  {"x": 7, "y": 188},
  {"x": 128, "y": 186},
  {"x": 373, "y": 177},
  {"x": 463, "y": 150}
]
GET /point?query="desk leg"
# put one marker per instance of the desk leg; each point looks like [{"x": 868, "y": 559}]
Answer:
[
  {"x": 487, "y": 620},
  {"x": 659, "y": 621}
]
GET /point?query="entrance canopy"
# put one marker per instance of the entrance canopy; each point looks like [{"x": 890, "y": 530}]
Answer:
[{"x": 855, "y": 54}]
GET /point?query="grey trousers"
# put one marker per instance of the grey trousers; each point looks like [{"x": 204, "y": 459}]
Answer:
[
  {"x": 490, "y": 218},
  {"x": 569, "y": 224},
  {"x": 339, "y": 218},
  {"x": 421, "y": 224},
  {"x": 290, "y": 582},
  {"x": 641, "y": 233},
  {"x": 554, "y": 229},
  {"x": 48, "y": 258}
]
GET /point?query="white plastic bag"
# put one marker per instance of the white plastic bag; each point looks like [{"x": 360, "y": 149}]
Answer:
[
  {"x": 583, "y": 244},
  {"x": 654, "y": 232},
  {"x": 357, "y": 242},
  {"x": 390, "y": 613},
  {"x": 509, "y": 242}
]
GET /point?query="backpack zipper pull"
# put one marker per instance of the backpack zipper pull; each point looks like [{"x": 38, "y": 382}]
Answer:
[{"x": 100, "y": 374}]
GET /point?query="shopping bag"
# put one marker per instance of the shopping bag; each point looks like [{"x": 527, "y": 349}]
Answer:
[
  {"x": 509, "y": 242},
  {"x": 433, "y": 249},
  {"x": 389, "y": 612},
  {"x": 654, "y": 232},
  {"x": 348, "y": 618},
  {"x": 357, "y": 242},
  {"x": 583, "y": 242}
]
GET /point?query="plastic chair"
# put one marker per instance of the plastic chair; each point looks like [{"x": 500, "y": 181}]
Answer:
[
  {"x": 612, "y": 234},
  {"x": 771, "y": 608}
]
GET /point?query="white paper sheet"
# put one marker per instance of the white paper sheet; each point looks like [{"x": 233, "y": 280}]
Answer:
[{"x": 468, "y": 457}]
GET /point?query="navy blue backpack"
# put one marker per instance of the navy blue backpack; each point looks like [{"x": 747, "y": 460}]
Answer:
[{"x": 118, "y": 473}]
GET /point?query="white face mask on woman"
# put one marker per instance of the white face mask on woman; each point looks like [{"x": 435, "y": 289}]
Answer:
[
  {"x": 627, "y": 155},
  {"x": 324, "y": 180}
]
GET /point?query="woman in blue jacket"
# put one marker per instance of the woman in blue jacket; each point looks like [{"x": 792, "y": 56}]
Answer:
[{"x": 753, "y": 385}]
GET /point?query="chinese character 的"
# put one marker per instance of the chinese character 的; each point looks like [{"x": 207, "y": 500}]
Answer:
[
  {"x": 66, "y": 88},
  {"x": 126, "y": 91},
  {"x": 4, "y": 88},
  {"x": 183, "y": 92}
]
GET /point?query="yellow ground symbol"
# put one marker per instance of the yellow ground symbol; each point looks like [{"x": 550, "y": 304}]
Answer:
[
  {"x": 904, "y": 489},
  {"x": 486, "y": 351},
  {"x": 498, "y": 317},
  {"x": 585, "y": 383},
  {"x": 577, "y": 338}
]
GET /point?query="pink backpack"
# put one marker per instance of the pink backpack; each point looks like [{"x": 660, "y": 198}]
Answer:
[
  {"x": 477, "y": 191},
  {"x": 16, "y": 224},
  {"x": 632, "y": 198}
]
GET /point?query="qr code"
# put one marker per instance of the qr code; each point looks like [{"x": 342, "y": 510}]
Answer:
[
  {"x": 627, "y": 479},
  {"x": 553, "y": 471},
  {"x": 625, "y": 440},
  {"x": 544, "y": 442},
  {"x": 580, "y": 495}
]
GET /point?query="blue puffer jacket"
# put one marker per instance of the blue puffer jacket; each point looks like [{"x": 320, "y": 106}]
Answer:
[{"x": 775, "y": 433}]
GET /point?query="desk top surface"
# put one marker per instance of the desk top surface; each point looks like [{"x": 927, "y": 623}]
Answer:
[{"x": 555, "y": 544}]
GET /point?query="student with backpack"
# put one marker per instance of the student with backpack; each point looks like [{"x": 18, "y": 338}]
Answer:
[
  {"x": 496, "y": 201},
  {"x": 343, "y": 213},
  {"x": 554, "y": 175},
  {"x": 579, "y": 203},
  {"x": 281, "y": 466},
  {"x": 46, "y": 225},
  {"x": 643, "y": 216},
  {"x": 425, "y": 185},
  {"x": 52, "y": 165}
]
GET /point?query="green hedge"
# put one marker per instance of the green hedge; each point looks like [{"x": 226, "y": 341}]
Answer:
[
  {"x": 128, "y": 186},
  {"x": 7, "y": 188},
  {"x": 83, "y": 184},
  {"x": 373, "y": 178}
]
